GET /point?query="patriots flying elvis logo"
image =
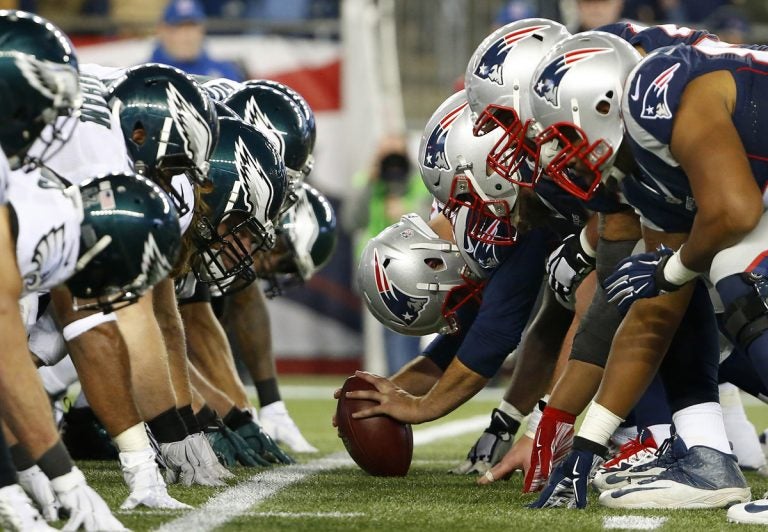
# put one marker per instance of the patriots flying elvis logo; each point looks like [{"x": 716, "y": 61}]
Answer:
[
  {"x": 548, "y": 84},
  {"x": 434, "y": 154},
  {"x": 491, "y": 66},
  {"x": 482, "y": 252},
  {"x": 405, "y": 307},
  {"x": 655, "y": 98}
]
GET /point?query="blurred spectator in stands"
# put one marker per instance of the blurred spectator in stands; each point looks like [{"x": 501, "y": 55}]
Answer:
[
  {"x": 730, "y": 23},
  {"x": 181, "y": 42},
  {"x": 514, "y": 10},
  {"x": 593, "y": 13},
  {"x": 388, "y": 190}
]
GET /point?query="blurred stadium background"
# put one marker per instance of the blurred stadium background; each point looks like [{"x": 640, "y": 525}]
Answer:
[{"x": 367, "y": 68}]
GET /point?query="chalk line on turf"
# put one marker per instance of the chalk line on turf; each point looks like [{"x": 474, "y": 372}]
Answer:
[{"x": 239, "y": 499}]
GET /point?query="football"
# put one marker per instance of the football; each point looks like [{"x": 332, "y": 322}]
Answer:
[{"x": 380, "y": 445}]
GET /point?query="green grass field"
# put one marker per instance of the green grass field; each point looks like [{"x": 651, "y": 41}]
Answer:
[{"x": 332, "y": 494}]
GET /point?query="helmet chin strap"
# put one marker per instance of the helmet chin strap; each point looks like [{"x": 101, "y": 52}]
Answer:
[
  {"x": 464, "y": 168},
  {"x": 89, "y": 255}
]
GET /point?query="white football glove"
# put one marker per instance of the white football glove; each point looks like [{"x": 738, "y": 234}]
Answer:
[
  {"x": 278, "y": 424},
  {"x": 192, "y": 461},
  {"x": 39, "y": 489},
  {"x": 147, "y": 486},
  {"x": 86, "y": 507},
  {"x": 18, "y": 514}
]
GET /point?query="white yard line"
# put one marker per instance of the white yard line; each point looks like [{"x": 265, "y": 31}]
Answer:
[
  {"x": 239, "y": 499},
  {"x": 633, "y": 522}
]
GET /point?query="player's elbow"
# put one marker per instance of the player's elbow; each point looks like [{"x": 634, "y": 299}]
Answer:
[{"x": 741, "y": 218}]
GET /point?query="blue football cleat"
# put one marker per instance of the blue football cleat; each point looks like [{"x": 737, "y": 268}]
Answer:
[
  {"x": 700, "y": 477},
  {"x": 567, "y": 485}
]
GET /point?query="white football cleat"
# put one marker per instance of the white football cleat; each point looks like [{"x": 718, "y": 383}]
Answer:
[
  {"x": 701, "y": 477},
  {"x": 278, "y": 424},
  {"x": 752, "y": 513},
  {"x": 147, "y": 486},
  {"x": 17, "y": 513},
  {"x": 618, "y": 471}
]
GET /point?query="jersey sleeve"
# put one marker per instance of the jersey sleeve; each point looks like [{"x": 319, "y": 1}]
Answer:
[
  {"x": 508, "y": 301},
  {"x": 652, "y": 38},
  {"x": 652, "y": 95}
]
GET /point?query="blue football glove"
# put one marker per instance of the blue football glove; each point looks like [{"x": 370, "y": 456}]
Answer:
[
  {"x": 566, "y": 268},
  {"x": 567, "y": 486},
  {"x": 639, "y": 276}
]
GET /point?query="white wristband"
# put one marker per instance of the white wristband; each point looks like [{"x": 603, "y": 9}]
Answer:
[
  {"x": 585, "y": 245},
  {"x": 675, "y": 271},
  {"x": 78, "y": 327}
]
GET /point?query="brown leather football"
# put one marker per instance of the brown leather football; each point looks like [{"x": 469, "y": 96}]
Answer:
[{"x": 380, "y": 445}]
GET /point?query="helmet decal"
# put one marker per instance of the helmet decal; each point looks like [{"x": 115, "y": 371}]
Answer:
[
  {"x": 47, "y": 77},
  {"x": 194, "y": 130},
  {"x": 252, "y": 180},
  {"x": 44, "y": 248},
  {"x": 405, "y": 307},
  {"x": 655, "y": 98},
  {"x": 434, "y": 154},
  {"x": 154, "y": 265},
  {"x": 548, "y": 84},
  {"x": 491, "y": 65},
  {"x": 484, "y": 253},
  {"x": 257, "y": 118}
]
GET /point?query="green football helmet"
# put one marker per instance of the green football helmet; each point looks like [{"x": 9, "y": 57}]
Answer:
[
  {"x": 306, "y": 240},
  {"x": 169, "y": 124},
  {"x": 129, "y": 240},
  {"x": 249, "y": 187},
  {"x": 38, "y": 88},
  {"x": 288, "y": 124}
]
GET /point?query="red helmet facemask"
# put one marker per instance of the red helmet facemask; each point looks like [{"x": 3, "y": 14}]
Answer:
[
  {"x": 576, "y": 167},
  {"x": 488, "y": 220},
  {"x": 458, "y": 296},
  {"x": 514, "y": 149}
]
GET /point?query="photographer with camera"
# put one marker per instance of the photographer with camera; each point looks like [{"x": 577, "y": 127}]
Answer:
[{"x": 392, "y": 187}]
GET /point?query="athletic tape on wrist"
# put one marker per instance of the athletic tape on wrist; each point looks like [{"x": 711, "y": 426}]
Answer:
[
  {"x": 585, "y": 245},
  {"x": 132, "y": 439},
  {"x": 676, "y": 272},
  {"x": 78, "y": 327}
]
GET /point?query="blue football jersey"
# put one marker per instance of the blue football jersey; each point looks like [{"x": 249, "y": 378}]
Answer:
[
  {"x": 660, "y": 189},
  {"x": 489, "y": 335},
  {"x": 652, "y": 38}
]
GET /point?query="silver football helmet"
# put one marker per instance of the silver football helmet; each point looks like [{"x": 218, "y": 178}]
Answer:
[
  {"x": 406, "y": 274},
  {"x": 497, "y": 82},
  {"x": 576, "y": 97},
  {"x": 453, "y": 159}
]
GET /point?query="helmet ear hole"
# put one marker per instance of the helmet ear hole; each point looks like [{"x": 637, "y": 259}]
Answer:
[
  {"x": 436, "y": 264},
  {"x": 603, "y": 106},
  {"x": 138, "y": 133}
]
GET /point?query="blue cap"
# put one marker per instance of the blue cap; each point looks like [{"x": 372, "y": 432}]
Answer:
[{"x": 180, "y": 11}]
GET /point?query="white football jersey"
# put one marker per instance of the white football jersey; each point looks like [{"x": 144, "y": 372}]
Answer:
[
  {"x": 5, "y": 174},
  {"x": 96, "y": 145},
  {"x": 219, "y": 89},
  {"x": 48, "y": 218}
]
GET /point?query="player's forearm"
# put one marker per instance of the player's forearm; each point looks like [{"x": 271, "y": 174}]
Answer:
[
  {"x": 457, "y": 385},
  {"x": 418, "y": 376},
  {"x": 709, "y": 235},
  {"x": 247, "y": 319},
  {"x": 23, "y": 401},
  {"x": 210, "y": 353}
]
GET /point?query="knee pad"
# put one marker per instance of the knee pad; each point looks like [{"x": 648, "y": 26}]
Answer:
[
  {"x": 593, "y": 338},
  {"x": 745, "y": 297}
]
